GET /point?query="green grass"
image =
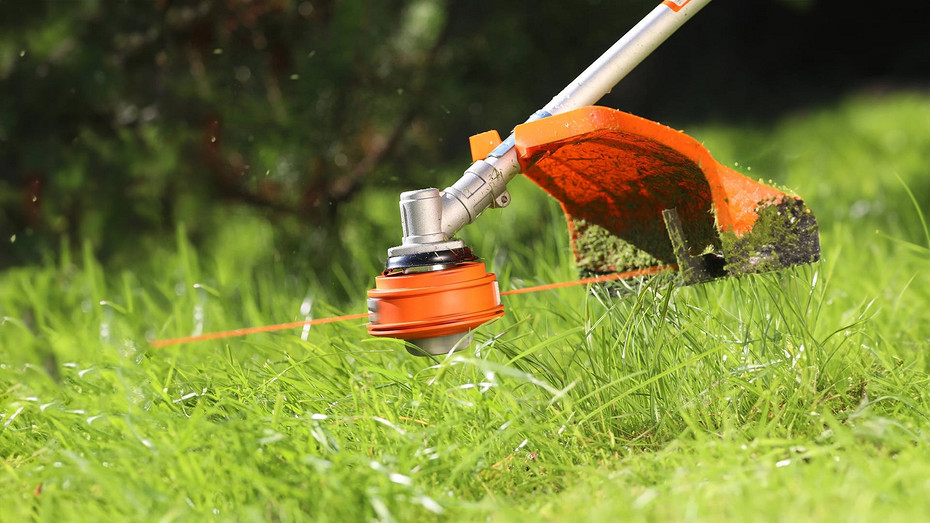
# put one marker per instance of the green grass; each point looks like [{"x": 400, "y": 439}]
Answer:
[{"x": 798, "y": 395}]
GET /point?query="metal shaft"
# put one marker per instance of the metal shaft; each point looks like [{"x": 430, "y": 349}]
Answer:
[
  {"x": 485, "y": 182},
  {"x": 612, "y": 66}
]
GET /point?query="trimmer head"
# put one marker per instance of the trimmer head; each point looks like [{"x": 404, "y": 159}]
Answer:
[
  {"x": 636, "y": 194},
  {"x": 434, "y": 307}
]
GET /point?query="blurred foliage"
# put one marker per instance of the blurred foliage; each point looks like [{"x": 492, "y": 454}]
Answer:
[
  {"x": 130, "y": 116},
  {"x": 123, "y": 119}
]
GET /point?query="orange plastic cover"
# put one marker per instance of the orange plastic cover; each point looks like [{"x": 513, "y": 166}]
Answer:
[
  {"x": 436, "y": 303},
  {"x": 619, "y": 171}
]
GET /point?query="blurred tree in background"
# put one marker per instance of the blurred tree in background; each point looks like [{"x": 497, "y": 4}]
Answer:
[{"x": 121, "y": 119}]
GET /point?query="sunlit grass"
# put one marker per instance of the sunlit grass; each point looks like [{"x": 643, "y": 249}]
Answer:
[{"x": 802, "y": 394}]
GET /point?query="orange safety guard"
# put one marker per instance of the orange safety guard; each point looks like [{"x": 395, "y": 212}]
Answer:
[
  {"x": 619, "y": 171},
  {"x": 599, "y": 154},
  {"x": 435, "y": 303}
]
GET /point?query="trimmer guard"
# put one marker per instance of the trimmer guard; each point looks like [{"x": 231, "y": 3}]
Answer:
[{"x": 639, "y": 194}]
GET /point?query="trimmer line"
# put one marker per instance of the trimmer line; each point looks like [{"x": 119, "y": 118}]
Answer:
[{"x": 298, "y": 324}]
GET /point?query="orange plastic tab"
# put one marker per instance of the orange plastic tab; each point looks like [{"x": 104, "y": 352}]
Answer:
[
  {"x": 675, "y": 5},
  {"x": 482, "y": 144},
  {"x": 435, "y": 303}
]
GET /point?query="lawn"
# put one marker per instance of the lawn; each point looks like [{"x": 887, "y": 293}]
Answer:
[{"x": 803, "y": 394}]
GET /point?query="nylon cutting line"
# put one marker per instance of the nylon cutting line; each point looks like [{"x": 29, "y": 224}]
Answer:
[{"x": 297, "y": 324}]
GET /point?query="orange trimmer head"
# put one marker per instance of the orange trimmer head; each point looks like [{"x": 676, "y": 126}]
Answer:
[
  {"x": 434, "y": 310},
  {"x": 639, "y": 194}
]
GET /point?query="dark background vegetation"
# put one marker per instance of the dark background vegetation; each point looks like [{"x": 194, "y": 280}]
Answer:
[{"x": 120, "y": 120}]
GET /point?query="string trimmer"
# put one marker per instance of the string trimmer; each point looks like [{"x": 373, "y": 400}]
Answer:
[{"x": 639, "y": 198}]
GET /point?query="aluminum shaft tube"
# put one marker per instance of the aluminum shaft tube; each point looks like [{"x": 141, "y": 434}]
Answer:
[{"x": 612, "y": 66}]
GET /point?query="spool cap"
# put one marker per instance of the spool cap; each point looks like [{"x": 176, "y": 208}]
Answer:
[{"x": 421, "y": 307}]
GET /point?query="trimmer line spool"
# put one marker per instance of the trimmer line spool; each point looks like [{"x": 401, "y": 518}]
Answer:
[{"x": 434, "y": 308}]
